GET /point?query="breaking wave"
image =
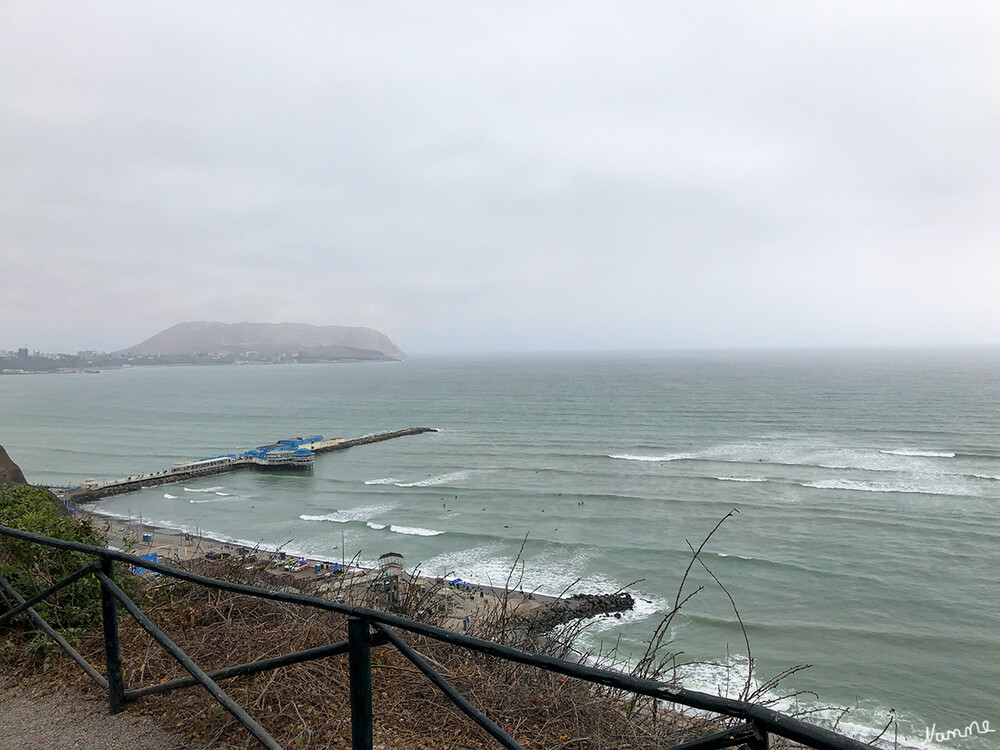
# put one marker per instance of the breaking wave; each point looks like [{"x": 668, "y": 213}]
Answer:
[
  {"x": 414, "y": 531},
  {"x": 668, "y": 457},
  {"x": 454, "y": 476},
  {"x": 860, "y": 486},
  {"x": 741, "y": 479},
  {"x": 922, "y": 454},
  {"x": 360, "y": 513},
  {"x": 224, "y": 499},
  {"x": 168, "y": 496},
  {"x": 205, "y": 489}
]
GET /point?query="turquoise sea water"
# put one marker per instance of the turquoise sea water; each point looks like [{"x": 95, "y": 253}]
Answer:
[{"x": 867, "y": 542}]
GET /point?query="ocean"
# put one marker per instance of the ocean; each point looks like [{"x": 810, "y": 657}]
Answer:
[{"x": 867, "y": 484}]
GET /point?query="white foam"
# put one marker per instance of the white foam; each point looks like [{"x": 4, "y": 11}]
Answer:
[
  {"x": 865, "y": 722},
  {"x": 644, "y": 606},
  {"x": 668, "y": 457},
  {"x": 924, "y": 454},
  {"x": 726, "y": 680},
  {"x": 741, "y": 479},
  {"x": 224, "y": 494},
  {"x": 206, "y": 489},
  {"x": 360, "y": 513},
  {"x": 548, "y": 571},
  {"x": 385, "y": 480},
  {"x": 414, "y": 531},
  {"x": 987, "y": 476},
  {"x": 376, "y": 526},
  {"x": 168, "y": 496},
  {"x": 454, "y": 476}
]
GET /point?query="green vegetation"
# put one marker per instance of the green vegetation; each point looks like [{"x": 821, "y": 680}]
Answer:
[{"x": 32, "y": 567}]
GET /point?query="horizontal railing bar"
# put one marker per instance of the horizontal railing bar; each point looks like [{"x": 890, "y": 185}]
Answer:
[
  {"x": 491, "y": 727},
  {"x": 72, "y": 578},
  {"x": 252, "y": 667},
  {"x": 51, "y": 633},
  {"x": 729, "y": 738},
  {"x": 773, "y": 721},
  {"x": 175, "y": 651}
]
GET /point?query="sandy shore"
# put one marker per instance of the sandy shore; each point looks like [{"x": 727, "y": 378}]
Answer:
[{"x": 456, "y": 606}]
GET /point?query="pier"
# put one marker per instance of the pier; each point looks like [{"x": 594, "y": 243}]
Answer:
[{"x": 182, "y": 472}]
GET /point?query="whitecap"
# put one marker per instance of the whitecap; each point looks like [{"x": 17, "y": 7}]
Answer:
[
  {"x": 386, "y": 480},
  {"x": 206, "y": 489},
  {"x": 741, "y": 479},
  {"x": 376, "y": 526},
  {"x": 414, "y": 531},
  {"x": 168, "y": 496}
]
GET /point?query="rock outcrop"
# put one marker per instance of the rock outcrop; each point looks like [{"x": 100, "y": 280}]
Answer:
[{"x": 10, "y": 472}]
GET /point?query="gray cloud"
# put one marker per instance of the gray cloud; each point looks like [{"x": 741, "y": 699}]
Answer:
[{"x": 526, "y": 176}]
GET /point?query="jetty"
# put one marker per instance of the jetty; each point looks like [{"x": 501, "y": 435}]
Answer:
[{"x": 282, "y": 454}]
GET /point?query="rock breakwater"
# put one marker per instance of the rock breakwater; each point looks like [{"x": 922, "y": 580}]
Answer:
[{"x": 579, "y": 607}]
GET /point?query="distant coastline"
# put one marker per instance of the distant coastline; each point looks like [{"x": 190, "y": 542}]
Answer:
[
  {"x": 97, "y": 367},
  {"x": 212, "y": 343}
]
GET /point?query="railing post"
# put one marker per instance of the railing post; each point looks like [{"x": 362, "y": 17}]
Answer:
[
  {"x": 360, "y": 662},
  {"x": 112, "y": 646},
  {"x": 762, "y": 741}
]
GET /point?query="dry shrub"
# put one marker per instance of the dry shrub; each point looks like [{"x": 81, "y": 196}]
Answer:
[{"x": 307, "y": 705}]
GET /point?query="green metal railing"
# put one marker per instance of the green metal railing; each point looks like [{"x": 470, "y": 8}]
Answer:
[{"x": 367, "y": 628}]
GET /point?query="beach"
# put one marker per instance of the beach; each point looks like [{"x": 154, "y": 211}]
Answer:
[{"x": 454, "y": 604}]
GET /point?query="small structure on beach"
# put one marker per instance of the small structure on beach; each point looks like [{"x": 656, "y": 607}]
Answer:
[{"x": 390, "y": 565}]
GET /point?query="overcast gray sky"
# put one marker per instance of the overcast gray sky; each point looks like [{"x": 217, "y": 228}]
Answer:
[{"x": 472, "y": 176}]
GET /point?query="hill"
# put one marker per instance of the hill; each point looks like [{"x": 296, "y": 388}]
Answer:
[{"x": 268, "y": 339}]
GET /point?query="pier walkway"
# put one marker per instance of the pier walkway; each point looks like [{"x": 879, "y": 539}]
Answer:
[{"x": 91, "y": 491}]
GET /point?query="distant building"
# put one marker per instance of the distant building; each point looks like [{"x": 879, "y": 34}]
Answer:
[{"x": 22, "y": 352}]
